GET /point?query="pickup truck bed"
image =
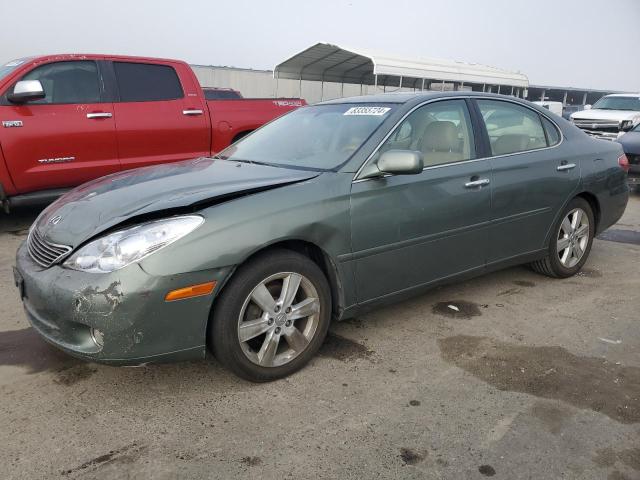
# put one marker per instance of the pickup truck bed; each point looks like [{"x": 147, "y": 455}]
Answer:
[{"x": 99, "y": 114}]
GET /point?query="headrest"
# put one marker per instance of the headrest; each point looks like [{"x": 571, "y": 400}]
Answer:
[{"x": 440, "y": 137}]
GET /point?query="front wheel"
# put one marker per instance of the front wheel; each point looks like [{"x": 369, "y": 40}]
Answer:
[
  {"x": 271, "y": 317},
  {"x": 571, "y": 241}
]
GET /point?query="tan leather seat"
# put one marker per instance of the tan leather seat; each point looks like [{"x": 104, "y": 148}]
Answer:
[
  {"x": 510, "y": 143},
  {"x": 440, "y": 143}
]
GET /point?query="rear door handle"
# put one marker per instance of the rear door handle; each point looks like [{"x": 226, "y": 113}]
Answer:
[
  {"x": 192, "y": 112},
  {"x": 565, "y": 166},
  {"x": 477, "y": 183},
  {"x": 99, "y": 115}
]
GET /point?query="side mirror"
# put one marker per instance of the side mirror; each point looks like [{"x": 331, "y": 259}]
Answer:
[
  {"x": 401, "y": 162},
  {"x": 587, "y": 107},
  {"x": 26, "y": 90}
]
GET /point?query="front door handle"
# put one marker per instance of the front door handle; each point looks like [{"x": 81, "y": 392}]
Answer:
[
  {"x": 565, "y": 166},
  {"x": 192, "y": 111},
  {"x": 477, "y": 183},
  {"x": 99, "y": 115}
]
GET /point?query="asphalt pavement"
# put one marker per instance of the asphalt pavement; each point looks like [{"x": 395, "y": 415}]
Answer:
[{"x": 526, "y": 377}]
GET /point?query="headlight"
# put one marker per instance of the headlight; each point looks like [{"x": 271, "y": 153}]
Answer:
[{"x": 121, "y": 248}]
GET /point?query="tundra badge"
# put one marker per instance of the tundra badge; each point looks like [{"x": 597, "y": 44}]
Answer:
[
  {"x": 57, "y": 160},
  {"x": 11, "y": 123}
]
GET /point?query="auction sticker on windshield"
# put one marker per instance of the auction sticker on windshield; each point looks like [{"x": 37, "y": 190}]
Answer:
[{"x": 375, "y": 111}]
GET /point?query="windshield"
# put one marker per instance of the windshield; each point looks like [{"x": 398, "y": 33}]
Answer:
[
  {"x": 9, "y": 67},
  {"x": 618, "y": 103},
  {"x": 320, "y": 137}
]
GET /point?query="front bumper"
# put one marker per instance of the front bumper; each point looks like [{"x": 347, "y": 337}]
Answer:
[{"x": 127, "y": 306}]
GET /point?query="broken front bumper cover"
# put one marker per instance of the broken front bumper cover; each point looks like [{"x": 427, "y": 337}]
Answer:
[{"x": 126, "y": 306}]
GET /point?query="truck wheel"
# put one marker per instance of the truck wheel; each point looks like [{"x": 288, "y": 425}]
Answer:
[
  {"x": 571, "y": 241},
  {"x": 272, "y": 316}
]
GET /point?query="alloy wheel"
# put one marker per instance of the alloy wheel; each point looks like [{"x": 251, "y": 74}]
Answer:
[
  {"x": 278, "y": 319},
  {"x": 573, "y": 237}
]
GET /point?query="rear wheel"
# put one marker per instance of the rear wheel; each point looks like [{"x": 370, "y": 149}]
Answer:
[
  {"x": 272, "y": 316},
  {"x": 571, "y": 242}
]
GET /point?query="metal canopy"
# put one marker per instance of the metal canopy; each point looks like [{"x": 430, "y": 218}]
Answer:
[{"x": 324, "y": 62}]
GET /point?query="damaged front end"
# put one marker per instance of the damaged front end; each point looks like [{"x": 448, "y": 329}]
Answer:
[
  {"x": 120, "y": 317},
  {"x": 82, "y": 280}
]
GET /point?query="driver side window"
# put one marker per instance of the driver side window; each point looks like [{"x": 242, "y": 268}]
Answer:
[
  {"x": 441, "y": 131},
  {"x": 67, "y": 82}
]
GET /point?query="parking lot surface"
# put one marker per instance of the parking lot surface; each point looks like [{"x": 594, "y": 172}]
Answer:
[{"x": 511, "y": 375}]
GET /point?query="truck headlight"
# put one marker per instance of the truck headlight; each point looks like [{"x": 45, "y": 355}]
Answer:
[
  {"x": 121, "y": 248},
  {"x": 626, "y": 125}
]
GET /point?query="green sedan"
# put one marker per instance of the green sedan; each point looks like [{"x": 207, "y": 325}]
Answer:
[{"x": 322, "y": 214}]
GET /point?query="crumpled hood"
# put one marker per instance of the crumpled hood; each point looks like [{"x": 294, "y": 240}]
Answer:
[
  {"x": 99, "y": 205},
  {"x": 595, "y": 114}
]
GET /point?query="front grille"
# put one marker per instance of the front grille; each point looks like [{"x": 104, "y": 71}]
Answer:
[
  {"x": 45, "y": 253},
  {"x": 597, "y": 124}
]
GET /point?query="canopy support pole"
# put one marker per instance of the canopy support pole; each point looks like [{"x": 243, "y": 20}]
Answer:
[
  {"x": 442, "y": 89},
  {"x": 322, "y": 90},
  {"x": 375, "y": 83},
  {"x": 300, "y": 86},
  {"x": 422, "y": 88},
  {"x": 277, "y": 81}
]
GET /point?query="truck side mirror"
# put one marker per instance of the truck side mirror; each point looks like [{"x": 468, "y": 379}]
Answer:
[
  {"x": 25, "y": 91},
  {"x": 587, "y": 107}
]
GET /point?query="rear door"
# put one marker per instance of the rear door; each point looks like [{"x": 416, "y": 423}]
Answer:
[
  {"x": 534, "y": 174},
  {"x": 159, "y": 117},
  {"x": 411, "y": 230},
  {"x": 66, "y": 138}
]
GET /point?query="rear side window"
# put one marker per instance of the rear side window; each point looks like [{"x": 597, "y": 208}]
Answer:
[
  {"x": 144, "y": 82},
  {"x": 512, "y": 128},
  {"x": 67, "y": 82},
  {"x": 553, "y": 136}
]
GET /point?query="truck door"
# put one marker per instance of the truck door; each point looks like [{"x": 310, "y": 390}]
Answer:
[
  {"x": 160, "y": 117},
  {"x": 64, "y": 139}
]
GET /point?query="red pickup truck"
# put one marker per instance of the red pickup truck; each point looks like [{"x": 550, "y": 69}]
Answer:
[{"x": 67, "y": 119}]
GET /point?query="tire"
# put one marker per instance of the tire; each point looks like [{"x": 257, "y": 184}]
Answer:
[
  {"x": 243, "y": 308},
  {"x": 553, "y": 264}
]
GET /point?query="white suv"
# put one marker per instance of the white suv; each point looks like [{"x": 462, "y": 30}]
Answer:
[{"x": 610, "y": 116}]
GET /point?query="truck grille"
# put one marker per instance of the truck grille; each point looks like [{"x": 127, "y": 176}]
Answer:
[
  {"x": 45, "y": 253},
  {"x": 603, "y": 129}
]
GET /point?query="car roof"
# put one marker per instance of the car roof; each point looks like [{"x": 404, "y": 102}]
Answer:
[
  {"x": 631, "y": 95},
  {"x": 410, "y": 97}
]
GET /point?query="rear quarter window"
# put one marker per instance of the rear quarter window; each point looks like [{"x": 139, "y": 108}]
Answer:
[
  {"x": 144, "y": 82},
  {"x": 553, "y": 135}
]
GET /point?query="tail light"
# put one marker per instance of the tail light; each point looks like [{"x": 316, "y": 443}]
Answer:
[{"x": 623, "y": 161}]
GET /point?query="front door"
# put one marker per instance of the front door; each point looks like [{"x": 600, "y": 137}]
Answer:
[
  {"x": 64, "y": 139},
  {"x": 411, "y": 230}
]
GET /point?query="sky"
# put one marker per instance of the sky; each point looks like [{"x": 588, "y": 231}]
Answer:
[{"x": 582, "y": 43}]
